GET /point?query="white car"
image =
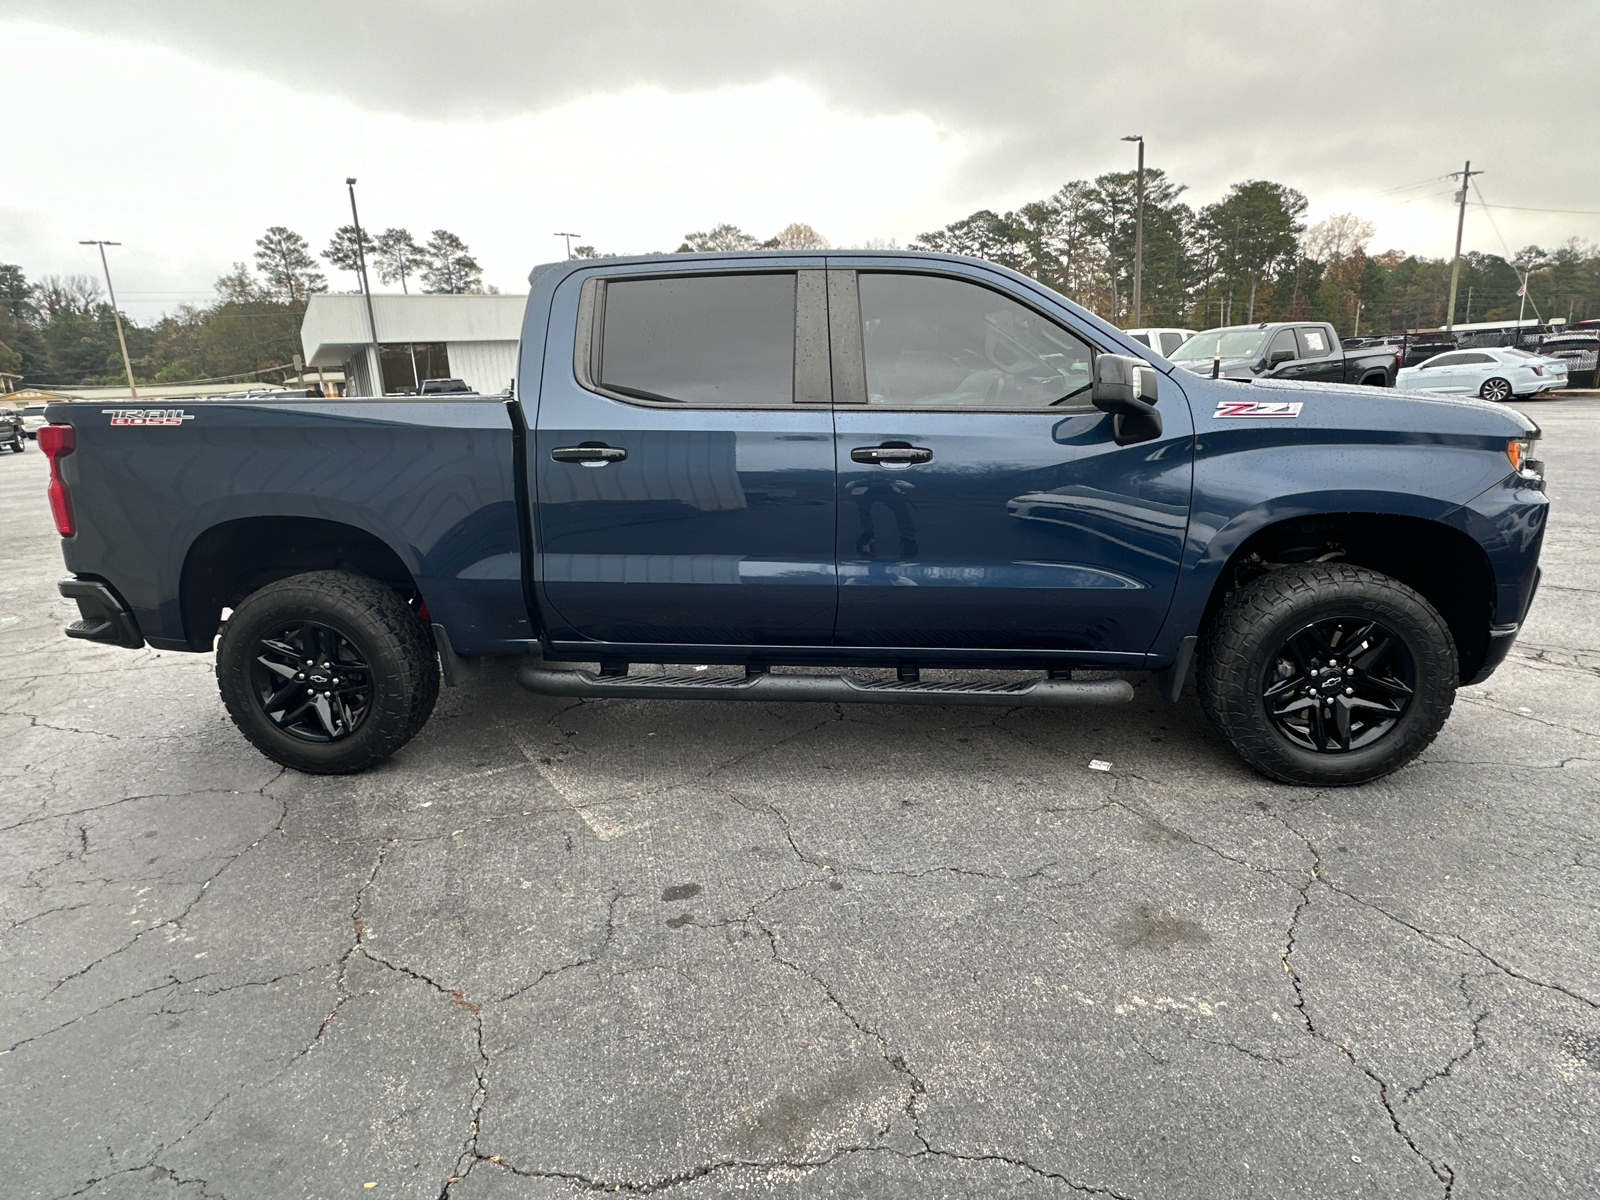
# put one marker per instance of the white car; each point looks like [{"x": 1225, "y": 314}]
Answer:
[
  {"x": 1490, "y": 373},
  {"x": 1162, "y": 341}
]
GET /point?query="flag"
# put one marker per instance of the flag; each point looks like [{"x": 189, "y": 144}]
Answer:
[{"x": 1523, "y": 290}]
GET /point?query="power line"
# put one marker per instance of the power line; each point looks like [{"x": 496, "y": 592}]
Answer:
[{"x": 1579, "y": 212}]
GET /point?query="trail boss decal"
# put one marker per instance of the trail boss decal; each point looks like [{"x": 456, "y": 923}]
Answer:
[
  {"x": 148, "y": 416},
  {"x": 1254, "y": 408}
]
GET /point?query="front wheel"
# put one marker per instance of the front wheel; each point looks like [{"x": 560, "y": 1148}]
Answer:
[
  {"x": 1497, "y": 389},
  {"x": 328, "y": 672},
  {"x": 1327, "y": 675}
]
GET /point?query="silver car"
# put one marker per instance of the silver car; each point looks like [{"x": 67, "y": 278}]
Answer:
[{"x": 1493, "y": 374}]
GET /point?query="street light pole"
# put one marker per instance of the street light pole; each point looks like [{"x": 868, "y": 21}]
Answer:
[
  {"x": 375, "y": 365},
  {"x": 569, "y": 237},
  {"x": 1138, "y": 240},
  {"x": 127, "y": 365}
]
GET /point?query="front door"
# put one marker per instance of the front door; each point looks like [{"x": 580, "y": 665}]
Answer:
[
  {"x": 982, "y": 501},
  {"x": 683, "y": 459}
]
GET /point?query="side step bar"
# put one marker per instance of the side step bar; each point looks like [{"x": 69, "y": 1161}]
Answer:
[{"x": 831, "y": 689}]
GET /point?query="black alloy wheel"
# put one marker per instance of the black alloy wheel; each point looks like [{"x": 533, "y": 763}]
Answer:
[
  {"x": 1327, "y": 674},
  {"x": 1338, "y": 685},
  {"x": 328, "y": 672},
  {"x": 1496, "y": 389},
  {"x": 312, "y": 681}
]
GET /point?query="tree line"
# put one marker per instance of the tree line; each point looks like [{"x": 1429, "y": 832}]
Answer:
[
  {"x": 1247, "y": 257},
  {"x": 60, "y": 330},
  {"x": 1250, "y": 257}
]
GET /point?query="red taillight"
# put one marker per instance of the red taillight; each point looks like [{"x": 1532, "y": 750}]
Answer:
[{"x": 58, "y": 441}]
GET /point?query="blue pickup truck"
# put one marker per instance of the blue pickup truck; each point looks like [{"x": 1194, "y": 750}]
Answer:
[{"x": 829, "y": 473}]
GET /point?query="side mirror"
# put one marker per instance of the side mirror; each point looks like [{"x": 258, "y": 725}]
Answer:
[
  {"x": 1127, "y": 387},
  {"x": 1280, "y": 356}
]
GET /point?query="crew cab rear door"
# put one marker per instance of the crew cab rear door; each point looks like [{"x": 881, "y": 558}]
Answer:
[
  {"x": 983, "y": 501},
  {"x": 682, "y": 457}
]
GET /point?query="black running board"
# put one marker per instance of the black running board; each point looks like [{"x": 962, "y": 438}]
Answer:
[{"x": 829, "y": 689}]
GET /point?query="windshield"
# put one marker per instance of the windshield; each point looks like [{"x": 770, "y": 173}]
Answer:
[{"x": 1236, "y": 343}]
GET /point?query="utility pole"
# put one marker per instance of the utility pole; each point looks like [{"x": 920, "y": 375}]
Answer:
[
  {"x": 1138, "y": 239},
  {"x": 115, "y": 315},
  {"x": 1465, "y": 175},
  {"x": 375, "y": 361},
  {"x": 569, "y": 237},
  {"x": 1468, "y": 321}
]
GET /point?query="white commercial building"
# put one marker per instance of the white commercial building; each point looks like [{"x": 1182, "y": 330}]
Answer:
[{"x": 471, "y": 337}]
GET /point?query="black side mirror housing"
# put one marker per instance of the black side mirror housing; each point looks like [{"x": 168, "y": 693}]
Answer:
[
  {"x": 1128, "y": 388},
  {"x": 1280, "y": 356}
]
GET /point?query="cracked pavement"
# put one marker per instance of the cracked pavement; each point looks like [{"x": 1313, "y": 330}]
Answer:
[{"x": 803, "y": 951}]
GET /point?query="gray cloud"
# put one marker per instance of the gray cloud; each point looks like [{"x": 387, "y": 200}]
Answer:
[{"x": 1352, "y": 96}]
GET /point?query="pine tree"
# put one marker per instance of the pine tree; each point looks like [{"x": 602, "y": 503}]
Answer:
[
  {"x": 449, "y": 269},
  {"x": 285, "y": 259}
]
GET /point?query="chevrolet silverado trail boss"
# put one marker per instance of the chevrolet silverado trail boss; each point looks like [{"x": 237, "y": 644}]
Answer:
[{"x": 811, "y": 466}]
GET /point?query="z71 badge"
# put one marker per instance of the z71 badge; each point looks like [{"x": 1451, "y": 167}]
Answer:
[
  {"x": 148, "y": 416},
  {"x": 1253, "y": 408}
]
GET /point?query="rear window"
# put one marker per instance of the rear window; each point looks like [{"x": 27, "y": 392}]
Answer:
[
  {"x": 703, "y": 340},
  {"x": 1141, "y": 337}
]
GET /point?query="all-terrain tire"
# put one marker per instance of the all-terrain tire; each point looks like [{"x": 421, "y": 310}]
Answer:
[
  {"x": 385, "y": 634},
  {"x": 1247, "y": 635}
]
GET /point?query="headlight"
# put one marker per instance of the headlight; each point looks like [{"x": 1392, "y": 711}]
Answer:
[{"x": 1529, "y": 469}]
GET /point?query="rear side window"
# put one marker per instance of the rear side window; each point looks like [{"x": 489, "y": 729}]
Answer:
[
  {"x": 1141, "y": 337},
  {"x": 937, "y": 342},
  {"x": 700, "y": 340},
  {"x": 1314, "y": 343},
  {"x": 1170, "y": 342}
]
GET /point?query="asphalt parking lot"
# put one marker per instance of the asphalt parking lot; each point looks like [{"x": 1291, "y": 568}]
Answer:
[{"x": 789, "y": 950}]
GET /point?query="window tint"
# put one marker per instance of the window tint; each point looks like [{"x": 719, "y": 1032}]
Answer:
[
  {"x": 1141, "y": 337},
  {"x": 1444, "y": 360},
  {"x": 1170, "y": 342},
  {"x": 702, "y": 340},
  {"x": 1314, "y": 343},
  {"x": 1480, "y": 358},
  {"x": 1283, "y": 340},
  {"x": 942, "y": 342}
]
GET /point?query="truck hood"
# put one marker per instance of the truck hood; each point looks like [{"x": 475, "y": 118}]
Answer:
[{"x": 1394, "y": 408}]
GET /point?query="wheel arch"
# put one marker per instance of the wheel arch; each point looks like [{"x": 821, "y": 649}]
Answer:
[
  {"x": 234, "y": 558},
  {"x": 1443, "y": 564}
]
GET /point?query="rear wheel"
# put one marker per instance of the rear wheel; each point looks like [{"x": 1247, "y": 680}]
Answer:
[
  {"x": 328, "y": 672},
  {"x": 1327, "y": 675},
  {"x": 1496, "y": 389}
]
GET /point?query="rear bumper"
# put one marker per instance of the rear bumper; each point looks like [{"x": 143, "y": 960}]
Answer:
[{"x": 103, "y": 616}]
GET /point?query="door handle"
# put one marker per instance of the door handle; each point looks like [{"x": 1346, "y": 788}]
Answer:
[
  {"x": 589, "y": 454},
  {"x": 897, "y": 453}
]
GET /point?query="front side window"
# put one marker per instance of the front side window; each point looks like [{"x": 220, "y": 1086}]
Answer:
[
  {"x": 700, "y": 340},
  {"x": 936, "y": 342},
  {"x": 1282, "y": 341}
]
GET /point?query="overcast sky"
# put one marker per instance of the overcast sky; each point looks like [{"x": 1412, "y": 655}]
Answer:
[{"x": 183, "y": 128}]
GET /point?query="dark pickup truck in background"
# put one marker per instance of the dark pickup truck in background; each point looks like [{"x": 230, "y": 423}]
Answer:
[
  {"x": 1302, "y": 351},
  {"x": 821, "y": 475}
]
